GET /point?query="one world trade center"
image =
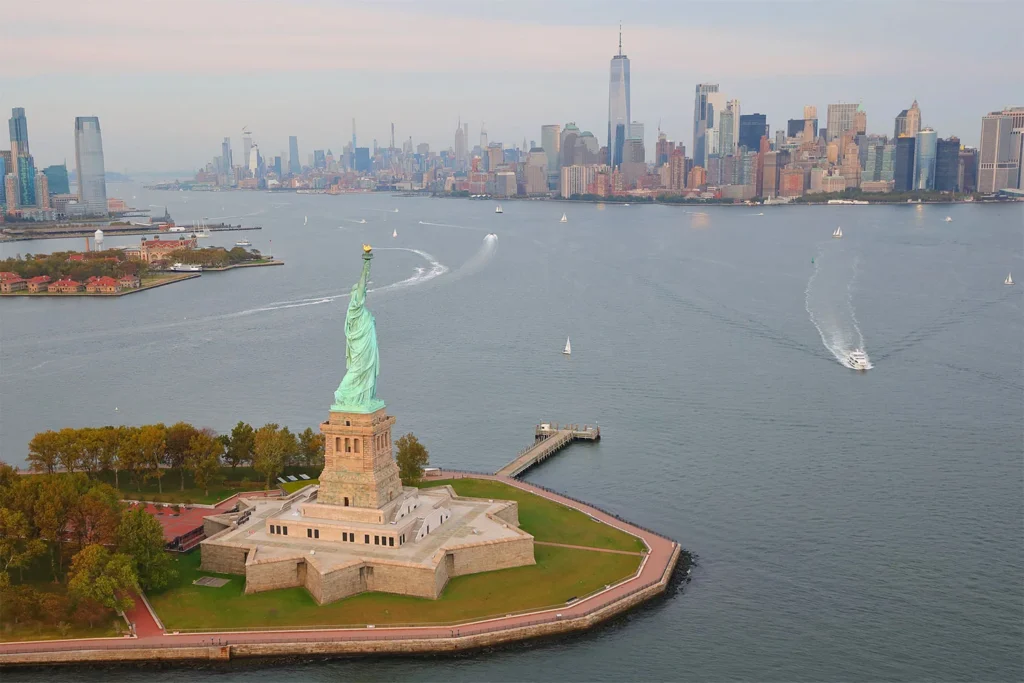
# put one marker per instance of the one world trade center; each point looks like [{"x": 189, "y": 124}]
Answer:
[{"x": 618, "y": 106}]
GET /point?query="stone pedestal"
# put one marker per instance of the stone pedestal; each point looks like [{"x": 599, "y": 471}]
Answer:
[{"x": 359, "y": 470}]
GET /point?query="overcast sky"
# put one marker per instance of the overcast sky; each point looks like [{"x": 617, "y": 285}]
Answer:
[{"x": 170, "y": 78}]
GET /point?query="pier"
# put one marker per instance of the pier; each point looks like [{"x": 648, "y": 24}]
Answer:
[{"x": 549, "y": 438}]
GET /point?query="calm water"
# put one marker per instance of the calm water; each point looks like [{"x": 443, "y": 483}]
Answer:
[{"x": 850, "y": 526}]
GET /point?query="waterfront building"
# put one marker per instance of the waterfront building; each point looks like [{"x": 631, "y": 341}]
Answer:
[
  {"x": 505, "y": 184},
  {"x": 92, "y": 180},
  {"x": 697, "y": 178},
  {"x": 550, "y": 137},
  {"x": 567, "y": 144},
  {"x": 294, "y": 164},
  {"x": 42, "y": 192},
  {"x": 840, "y": 119},
  {"x": 18, "y": 126},
  {"x": 25, "y": 168},
  {"x": 774, "y": 162},
  {"x": 576, "y": 179},
  {"x": 878, "y": 164},
  {"x": 793, "y": 181},
  {"x": 701, "y": 148},
  {"x": 536, "y": 171},
  {"x": 618, "y": 106},
  {"x": 903, "y": 164},
  {"x": 850, "y": 168},
  {"x": 967, "y": 171},
  {"x": 677, "y": 170},
  {"x": 947, "y": 165},
  {"x": 362, "y": 160},
  {"x": 12, "y": 193},
  {"x": 752, "y": 128},
  {"x": 924, "y": 159},
  {"x": 728, "y": 124},
  {"x": 999, "y": 151},
  {"x": 57, "y": 178},
  {"x": 908, "y": 121},
  {"x": 154, "y": 250},
  {"x": 65, "y": 286},
  {"x": 833, "y": 183}
]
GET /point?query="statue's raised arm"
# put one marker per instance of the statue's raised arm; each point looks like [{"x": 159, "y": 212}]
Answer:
[{"x": 357, "y": 392}]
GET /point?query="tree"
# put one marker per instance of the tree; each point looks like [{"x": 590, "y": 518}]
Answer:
[
  {"x": 291, "y": 446},
  {"x": 179, "y": 435},
  {"x": 96, "y": 516},
  {"x": 108, "y": 449},
  {"x": 151, "y": 446},
  {"x": 203, "y": 458},
  {"x": 412, "y": 457},
  {"x": 90, "y": 448},
  {"x": 311, "y": 448},
  {"x": 53, "y": 508},
  {"x": 18, "y": 547},
  {"x": 240, "y": 445},
  {"x": 42, "y": 451},
  {"x": 141, "y": 538},
  {"x": 102, "y": 577},
  {"x": 70, "y": 448},
  {"x": 270, "y": 448}
]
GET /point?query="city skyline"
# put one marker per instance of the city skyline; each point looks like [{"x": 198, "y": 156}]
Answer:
[{"x": 564, "y": 78}]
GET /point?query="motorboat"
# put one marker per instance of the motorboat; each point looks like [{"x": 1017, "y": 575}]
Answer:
[
  {"x": 243, "y": 243},
  {"x": 838, "y": 233},
  {"x": 858, "y": 360},
  {"x": 186, "y": 268}
]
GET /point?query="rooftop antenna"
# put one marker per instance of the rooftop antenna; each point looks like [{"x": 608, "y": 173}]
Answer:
[{"x": 620, "y": 37}]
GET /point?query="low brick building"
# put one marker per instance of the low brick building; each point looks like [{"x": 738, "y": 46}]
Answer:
[
  {"x": 158, "y": 249},
  {"x": 103, "y": 285},
  {"x": 130, "y": 282},
  {"x": 39, "y": 283},
  {"x": 65, "y": 286},
  {"x": 13, "y": 284}
]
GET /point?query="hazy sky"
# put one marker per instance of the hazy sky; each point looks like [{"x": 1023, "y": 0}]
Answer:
[{"x": 170, "y": 78}]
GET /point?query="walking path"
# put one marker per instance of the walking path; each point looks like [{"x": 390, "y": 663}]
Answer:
[
  {"x": 587, "y": 547},
  {"x": 654, "y": 573}
]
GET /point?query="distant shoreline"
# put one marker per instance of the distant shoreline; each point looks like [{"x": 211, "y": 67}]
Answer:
[{"x": 169, "y": 280}]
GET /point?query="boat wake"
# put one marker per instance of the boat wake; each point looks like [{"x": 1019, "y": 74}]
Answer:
[
  {"x": 828, "y": 299},
  {"x": 449, "y": 225},
  {"x": 354, "y": 220},
  {"x": 481, "y": 258}
]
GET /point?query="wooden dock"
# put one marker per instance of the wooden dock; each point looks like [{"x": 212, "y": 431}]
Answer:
[{"x": 549, "y": 438}]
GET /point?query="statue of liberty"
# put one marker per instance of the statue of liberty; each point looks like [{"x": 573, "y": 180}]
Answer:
[{"x": 357, "y": 392}]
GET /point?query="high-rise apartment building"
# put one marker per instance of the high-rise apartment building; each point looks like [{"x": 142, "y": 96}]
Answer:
[
  {"x": 903, "y": 164},
  {"x": 57, "y": 179},
  {"x": 924, "y": 159},
  {"x": 11, "y": 191},
  {"x": 19, "y": 130},
  {"x": 26, "y": 172},
  {"x": 618, "y": 106},
  {"x": 701, "y": 149},
  {"x": 537, "y": 171},
  {"x": 947, "y": 165},
  {"x": 841, "y": 118},
  {"x": 92, "y": 179},
  {"x": 728, "y": 125},
  {"x": 294, "y": 164},
  {"x": 752, "y": 127},
  {"x": 998, "y": 158},
  {"x": 908, "y": 121},
  {"x": 42, "y": 191},
  {"x": 3, "y": 184}
]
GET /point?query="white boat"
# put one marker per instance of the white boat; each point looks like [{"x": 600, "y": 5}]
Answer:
[
  {"x": 498, "y": 209},
  {"x": 243, "y": 243},
  {"x": 761, "y": 214},
  {"x": 186, "y": 268},
  {"x": 1009, "y": 279},
  {"x": 949, "y": 219},
  {"x": 838, "y": 234},
  {"x": 394, "y": 233},
  {"x": 305, "y": 219},
  {"x": 568, "y": 348},
  {"x": 858, "y": 360},
  {"x": 563, "y": 219}
]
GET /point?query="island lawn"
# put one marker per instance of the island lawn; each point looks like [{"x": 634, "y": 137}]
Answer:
[
  {"x": 560, "y": 574},
  {"x": 232, "y": 481},
  {"x": 547, "y": 520}
]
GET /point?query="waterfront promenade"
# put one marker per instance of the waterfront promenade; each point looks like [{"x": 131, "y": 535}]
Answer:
[{"x": 153, "y": 643}]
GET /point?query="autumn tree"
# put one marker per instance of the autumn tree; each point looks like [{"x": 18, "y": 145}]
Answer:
[
  {"x": 203, "y": 458},
  {"x": 43, "y": 450},
  {"x": 178, "y": 437},
  {"x": 141, "y": 538},
  {"x": 52, "y": 513},
  {"x": 270, "y": 451},
  {"x": 69, "y": 449},
  {"x": 96, "y": 515},
  {"x": 151, "y": 447},
  {"x": 99, "y": 576},
  {"x": 240, "y": 445},
  {"x": 311, "y": 448},
  {"x": 411, "y": 457},
  {"x": 18, "y": 546},
  {"x": 108, "y": 443}
]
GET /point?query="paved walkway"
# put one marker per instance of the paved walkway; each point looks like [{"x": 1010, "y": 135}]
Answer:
[
  {"x": 652, "y": 570},
  {"x": 587, "y": 547}
]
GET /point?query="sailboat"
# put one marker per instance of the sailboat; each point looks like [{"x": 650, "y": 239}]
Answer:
[
  {"x": 394, "y": 233},
  {"x": 498, "y": 209},
  {"x": 305, "y": 219},
  {"x": 568, "y": 348},
  {"x": 563, "y": 219},
  {"x": 1009, "y": 279},
  {"x": 838, "y": 234},
  {"x": 949, "y": 219}
]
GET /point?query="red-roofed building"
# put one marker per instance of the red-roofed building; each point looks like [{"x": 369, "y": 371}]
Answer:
[
  {"x": 130, "y": 281},
  {"x": 39, "y": 283},
  {"x": 103, "y": 285},
  {"x": 158, "y": 250},
  {"x": 13, "y": 284},
  {"x": 76, "y": 257},
  {"x": 64, "y": 286},
  {"x": 6, "y": 275}
]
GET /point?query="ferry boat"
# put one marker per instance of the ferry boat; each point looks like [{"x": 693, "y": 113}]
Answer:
[
  {"x": 186, "y": 268},
  {"x": 243, "y": 243},
  {"x": 563, "y": 219},
  {"x": 498, "y": 209},
  {"x": 858, "y": 360},
  {"x": 838, "y": 234},
  {"x": 1009, "y": 279}
]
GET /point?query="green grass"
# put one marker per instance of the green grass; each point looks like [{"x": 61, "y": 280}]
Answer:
[
  {"x": 546, "y": 520},
  {"x": 293, "y": 486},
  {"x": 232, "y": 483},
  {"x": 560, "y": 574}
]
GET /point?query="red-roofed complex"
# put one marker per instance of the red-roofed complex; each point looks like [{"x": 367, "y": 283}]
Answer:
[
  {"x": 64, "y": 286},
  {"x": 103, "y": 285},
  {"x": 39, "y": 283},
  {"x": 12, "y": 284},
  {"x": 158, "y": 250}
]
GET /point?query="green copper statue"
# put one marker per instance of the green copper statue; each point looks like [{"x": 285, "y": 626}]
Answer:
[{"x": 357, "y": 392}]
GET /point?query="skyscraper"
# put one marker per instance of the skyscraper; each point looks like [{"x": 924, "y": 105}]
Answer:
[
  {"x": 908, "y": 121},
  {"x": 460, "y": 147},
  {"x": 947, "y": 164},
  {"x": 92, "y": 181},
  {"x": 752, "y": 127},
  {"x": 998, "y": 160},
  {"x": 549, "y": 141},
  {"x": 26, "y": 173},
  {"x": 567, "y": 144},
  {"x": 700, "y": 122},
  {"x": 618, "y": 106},
  {"x": 924, "y": 160},
  {"x": 227, "y": 163},
  {"x": 841, "y": 118},
  {"x": 294, "y": 165},
  {"x": 246, "y": 148},
  {"x": 19, "y": 130},
  {"x": 57, "y": 179},
  {"x": 903, "y": 164}
]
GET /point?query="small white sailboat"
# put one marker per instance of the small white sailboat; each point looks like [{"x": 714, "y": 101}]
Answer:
[
  {"x": 394, "y": 233},
  {"x": 563, "y": 219},
  {"x": 1009, "y": 279},
  {"x": 568, "y": 348},
  {"x": 305, "y": 219},
  {"x": 838, "y": 233},
  {"x": 498, "y": 209},
  {"x": 949, "y": 219}
]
